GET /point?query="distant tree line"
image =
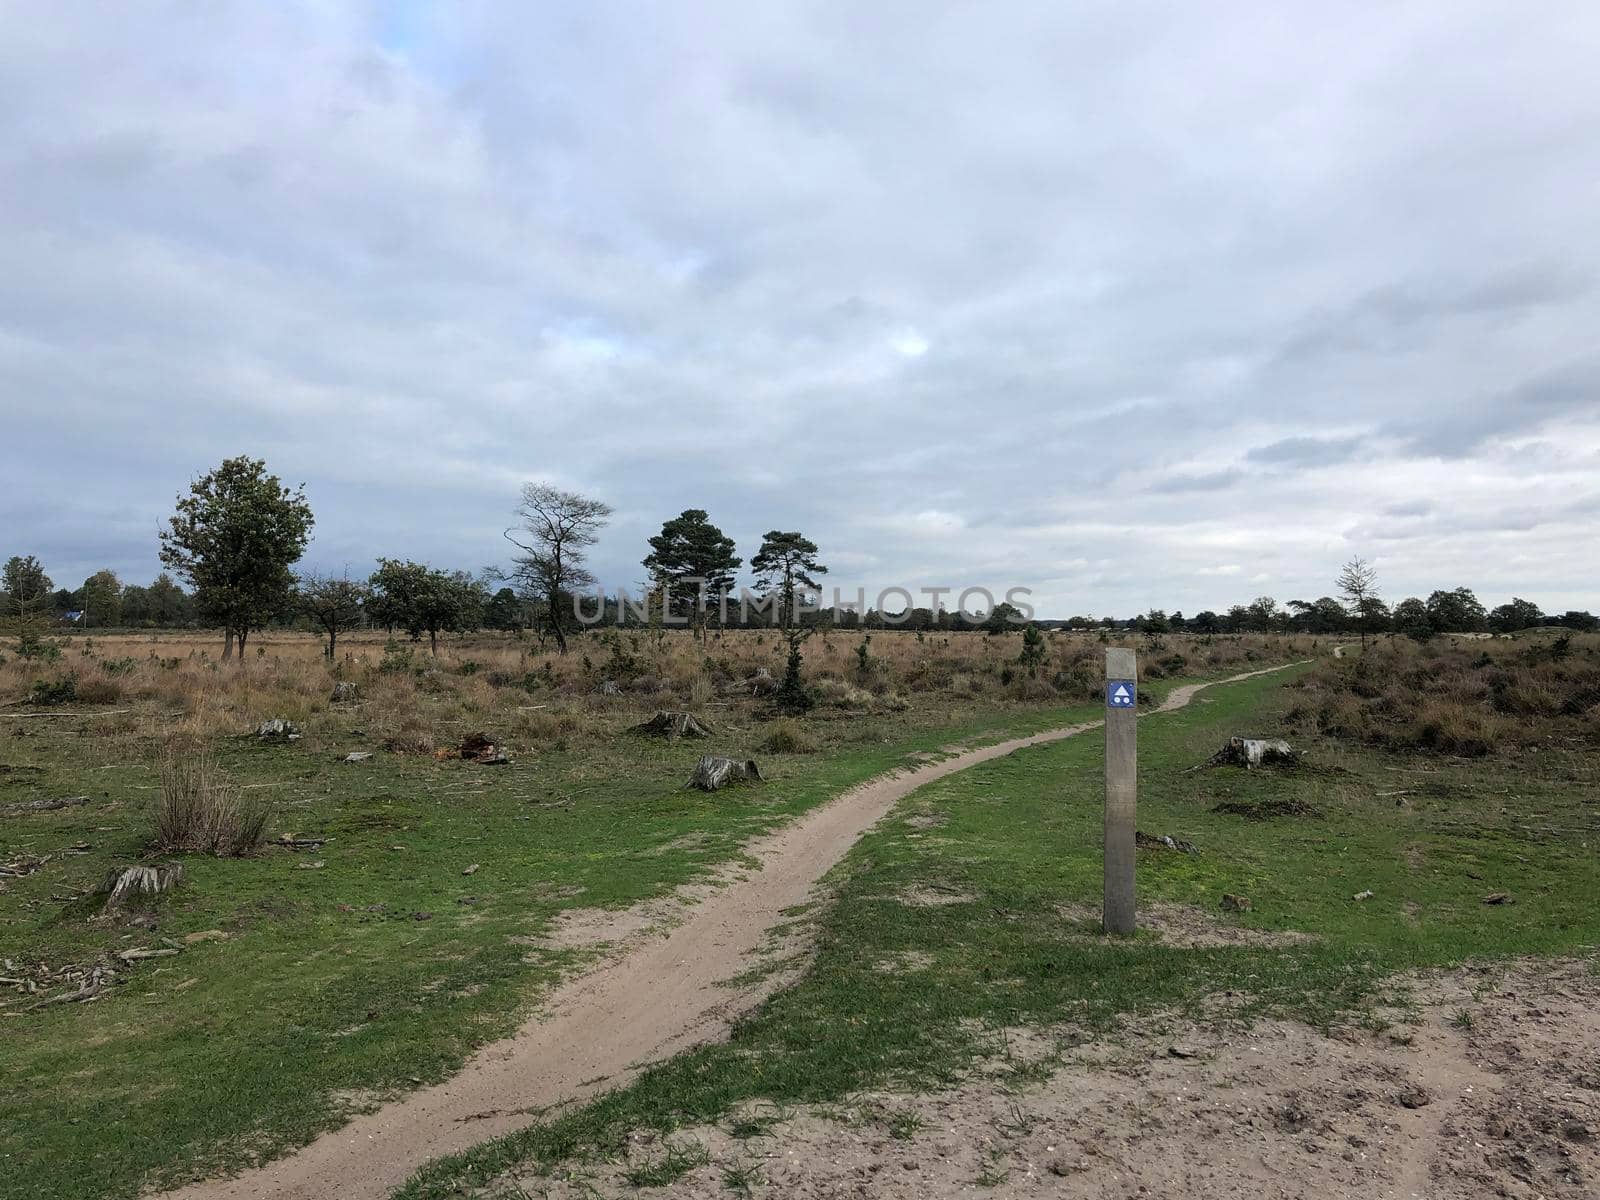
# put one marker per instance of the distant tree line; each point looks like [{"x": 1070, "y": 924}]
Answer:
[{"x": 237, "y": 534}]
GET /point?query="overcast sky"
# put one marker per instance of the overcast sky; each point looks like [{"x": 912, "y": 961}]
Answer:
[{"x": 1133, "y": 304}]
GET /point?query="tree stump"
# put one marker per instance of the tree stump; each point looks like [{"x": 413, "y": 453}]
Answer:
[
  {"x": 674, "y": 725},
  {"x": 482, "y": 748},
  {"x": 345, "y": 692},
  {"x": 1250, "y": 753},
  {"x": 122, "y": 883},
  {"x": 713, "y": 772}
]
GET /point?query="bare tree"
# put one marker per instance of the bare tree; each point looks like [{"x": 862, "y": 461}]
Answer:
[
  {"x": 1358, "y": 584},
  {"x": 334, "y": 602},
  {"x": 559, "y": 527}
]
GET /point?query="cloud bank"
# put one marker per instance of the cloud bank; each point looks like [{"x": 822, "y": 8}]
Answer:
[{"x": 1132, "y": 304}]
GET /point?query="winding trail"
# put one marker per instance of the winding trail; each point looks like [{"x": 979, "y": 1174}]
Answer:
[{"x": 600, "y": 1029}]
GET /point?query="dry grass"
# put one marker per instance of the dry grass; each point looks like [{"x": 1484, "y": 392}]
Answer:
[
  {"x": 411, "y": 701},
  {"x": 1469, "y": 698},
  {"x": 788, "y": 736},
  {"x": 202, "y": 812}
]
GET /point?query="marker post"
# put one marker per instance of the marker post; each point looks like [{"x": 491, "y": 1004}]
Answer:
[{"x": 1122, "y": 698}]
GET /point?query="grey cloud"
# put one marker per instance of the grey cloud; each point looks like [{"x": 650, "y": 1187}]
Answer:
[
  {"x": 1207, "y": 481},
  {"x": 678, "y": 256},
  {"x": 1307, "y": 451}
]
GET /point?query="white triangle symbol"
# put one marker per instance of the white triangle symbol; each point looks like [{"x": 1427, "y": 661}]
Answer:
[{"x": 1121, "y": 693}]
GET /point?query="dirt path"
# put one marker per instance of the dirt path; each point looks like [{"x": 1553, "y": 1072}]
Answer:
[{"x": 598, "y": 1030}]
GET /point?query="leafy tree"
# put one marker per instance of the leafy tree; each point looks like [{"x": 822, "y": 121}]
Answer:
[
  {"x": 100, "y": 598},
  {"x": 1580, "y": 620},
  {"x": 503, "y": 611},
  {"x": 170, "y": 604},
  {"x": 1261, "y": 614},
  {"x": 1325, "y": 615},
  {"x": 558, "y": 527},
  {"x": 137, "y": 610},
  {"x": 690, "y": 550},
  {"x": 1002, "y": 617},
  {"x": 334, "y": 602},
  {"x": 1519, "y": 614},
  {"x": 1154, "y": 621},
  {"x": 1358, "y": 584},
  {"x": 1374, "y": 617},
  {"x": 420, "y": 599},
  {"x": 1205, "y": 621},
  {"x": 1456, "y": 611},
  {"x": 1411, "y": 618},
  {"x": 786, "y": 562},
  {"x": 235, "y": 537}
]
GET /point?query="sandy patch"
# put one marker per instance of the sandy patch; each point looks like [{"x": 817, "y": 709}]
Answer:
[
  {"x": 1184, "y": 927},
  {"x": 905, "y": 963},
  {"x": 1508, "y": 1106}
]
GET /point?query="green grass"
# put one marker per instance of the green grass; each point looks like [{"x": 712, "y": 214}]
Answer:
[
  {"x": 349, "y": 984},
  {"x": 1021, "y": 836}
]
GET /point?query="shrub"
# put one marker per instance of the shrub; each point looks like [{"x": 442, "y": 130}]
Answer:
[
  {"x": 54, "y": 691},
  {"x": 865, "y": 663},
  {"x": 788, "y": 737},
  {"x": 31, "y": 646},
  {"x": 1033, "y": 649},
  {"x": 202, "y": 812},
  {"x": 397, "y": 659}
]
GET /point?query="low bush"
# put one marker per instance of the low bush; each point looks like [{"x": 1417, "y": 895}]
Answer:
[
  {"x": 54, "y": 691},
  {"x": 202, "y": 812},
  {"x": 788, "y": 737}
]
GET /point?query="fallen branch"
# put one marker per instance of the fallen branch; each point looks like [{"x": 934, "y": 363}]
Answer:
[
  {"x": 1162, "y": 841},
  {"x": 138, "y": 954},
  {"x": 58, "y": 716},
  {"x": 89, "y": 992},
  {"x": 26, "y": 865},
  {"x": 50, "y": 805}
]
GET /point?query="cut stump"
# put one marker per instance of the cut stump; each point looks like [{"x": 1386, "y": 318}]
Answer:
[
  {"x": 122, "y": 883},
  {"x": 1250, "y": 753},
  {"x": 713, "y": 772},
  {"x": 674, "y": 725}
]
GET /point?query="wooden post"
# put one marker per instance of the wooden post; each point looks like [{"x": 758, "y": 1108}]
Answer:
[{"x": 1121, "y": 787}]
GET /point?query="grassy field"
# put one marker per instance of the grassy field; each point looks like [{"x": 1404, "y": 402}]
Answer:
[
  {"x": 910, "y": 996},
  {"x": 377, "y": 960},
  {"x": 333, "y": 976}
]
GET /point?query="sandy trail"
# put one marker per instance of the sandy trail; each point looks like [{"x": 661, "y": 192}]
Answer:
[{"x": 600, "y": 1029}]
